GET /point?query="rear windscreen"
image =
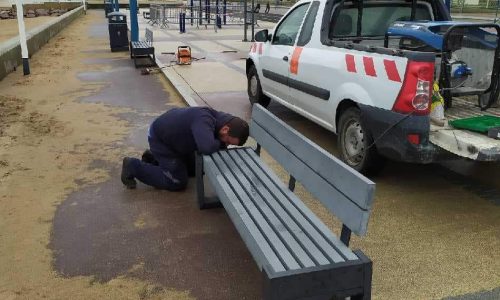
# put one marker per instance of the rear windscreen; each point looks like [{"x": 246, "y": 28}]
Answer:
[{"x": 376, "y": 18}]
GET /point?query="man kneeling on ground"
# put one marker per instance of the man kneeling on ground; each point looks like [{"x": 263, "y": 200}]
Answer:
[{"x": 173, "y": 139}]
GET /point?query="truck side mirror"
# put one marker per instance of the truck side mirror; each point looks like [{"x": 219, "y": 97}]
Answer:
[{"x": 262, "y": 36}]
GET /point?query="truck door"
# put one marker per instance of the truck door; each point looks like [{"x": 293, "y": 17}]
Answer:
[
  {"x": 310, "y": 70},
  {"x": 275, "y": 61}
]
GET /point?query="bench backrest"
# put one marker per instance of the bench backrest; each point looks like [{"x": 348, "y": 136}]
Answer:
[
  {"x": 343, "y": 191},
  {"x": 149, "y": 36}
]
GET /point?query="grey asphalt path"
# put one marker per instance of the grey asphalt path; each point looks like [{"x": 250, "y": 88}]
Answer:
[
  {"x": 106, "y": 231},
  {"x": 427, "y": 199}
]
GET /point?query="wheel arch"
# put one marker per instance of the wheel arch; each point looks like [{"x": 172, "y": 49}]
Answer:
[
  {"x": 343, "y": 106},
  {"x": 249, "y": 64}
]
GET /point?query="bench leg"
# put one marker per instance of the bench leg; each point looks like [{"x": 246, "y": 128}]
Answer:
[
  {"x": 351, "y": 279},
  {"x": 153, "y": 60},
  {"x": 368, "y": 270},
  {"x": 203, "y": 202}
]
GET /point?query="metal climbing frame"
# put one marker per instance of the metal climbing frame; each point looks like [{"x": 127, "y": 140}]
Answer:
[{"x": 203, "y": 13}]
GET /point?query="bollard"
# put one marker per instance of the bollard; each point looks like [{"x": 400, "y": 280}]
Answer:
[
  {"x": 191, "y": 8},
  {"x": 224, "y": 11},
  {"x": 218, "y": 20},
  {"x": 180, "y": 22}
]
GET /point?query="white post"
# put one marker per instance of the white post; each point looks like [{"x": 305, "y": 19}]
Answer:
[
  {"x": 84, "y": 6},
  {"x": 22, "y": 36}
]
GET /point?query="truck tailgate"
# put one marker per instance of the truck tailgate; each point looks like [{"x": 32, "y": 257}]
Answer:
[{"x": 466, "y": 143}]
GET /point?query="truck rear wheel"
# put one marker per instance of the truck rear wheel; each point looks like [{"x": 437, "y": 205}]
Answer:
[
  {"x": 355, "y": 144},
  {"x": 255, "y": 89}
]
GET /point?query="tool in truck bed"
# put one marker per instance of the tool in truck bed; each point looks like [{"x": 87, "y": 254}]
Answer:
[{"x": 468, "y": 55}]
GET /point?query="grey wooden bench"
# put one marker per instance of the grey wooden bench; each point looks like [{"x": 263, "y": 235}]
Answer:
[
  {"x": 299, "y": 256},
  {"x": 143, "y": 48}
]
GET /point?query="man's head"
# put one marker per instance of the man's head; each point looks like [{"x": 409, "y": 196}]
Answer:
[{"x": 234, "y": 132}]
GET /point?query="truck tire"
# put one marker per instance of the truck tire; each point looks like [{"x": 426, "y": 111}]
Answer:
[
  {"x": 255, "y": 89},
  {"x": 355, "y": 144}
]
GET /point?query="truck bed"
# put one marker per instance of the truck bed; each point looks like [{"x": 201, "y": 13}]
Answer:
[
  {"x": 464, "y": 108},
  {"x": 465, "y": 143}
]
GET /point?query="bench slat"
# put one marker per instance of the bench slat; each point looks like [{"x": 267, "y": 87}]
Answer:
[
  {"x": 349, "y": 182},
  {"x": 351, "y": 215},
  {"x": 299, "y": 209},
  {"x": 254, "y": 240},
  {"x": 280, "y": 227},
  {"x": 287, "y": 259},
  {"x": 308, "y": 236}
]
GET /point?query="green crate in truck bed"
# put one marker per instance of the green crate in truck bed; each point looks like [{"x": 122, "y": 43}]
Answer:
[{"x": 478, "y": 124}]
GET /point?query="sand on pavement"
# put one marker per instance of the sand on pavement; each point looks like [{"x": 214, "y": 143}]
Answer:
[
  {"x": 47, "y": 141},
  {"x": 10, "y": 28}
]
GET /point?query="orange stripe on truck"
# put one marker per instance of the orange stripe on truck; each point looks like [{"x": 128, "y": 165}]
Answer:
[{"x": 294, "y": 63}]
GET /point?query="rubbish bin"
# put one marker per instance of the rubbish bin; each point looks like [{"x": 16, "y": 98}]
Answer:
[
  {"x": 118, "y": 31},
  {"x": 108, "y": 7}
]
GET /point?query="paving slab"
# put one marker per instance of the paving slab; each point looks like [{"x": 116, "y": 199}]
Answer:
[{"x": 218, "y": 77}]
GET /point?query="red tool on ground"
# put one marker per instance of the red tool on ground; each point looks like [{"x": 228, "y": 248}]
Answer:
[{"x": 184, "y": 55}]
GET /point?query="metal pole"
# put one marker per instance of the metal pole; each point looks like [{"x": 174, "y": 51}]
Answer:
[
  {"x": 224, "y": 11},
  {"x": 217, "y": 16},
  {"x": 496, "y": 12},
  {"x": 448, "y": 4},
  {"x": 22, "y": 37},
  {"x": 117, "y": 5},
  {"x": 245, "y": 21},
  {"x": 84, "y": 6},
  {"x": 207, "y": 13},
  {"x": 200, "y": 14},
  {"x": 192, "y": 19},
  {"x": 253, "y": 20},
  {"x": 134, "y": 25}
]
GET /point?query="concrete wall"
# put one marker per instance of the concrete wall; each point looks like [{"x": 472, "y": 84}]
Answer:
[{"x": 10, "y": 51}]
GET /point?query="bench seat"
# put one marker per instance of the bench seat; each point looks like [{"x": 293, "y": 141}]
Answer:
[
  {"x": 143, "y": 48},
  {"x": 141, "y": 45},
  {"x": 283, "y": 235},
  {"x": 298, "y": 255}
]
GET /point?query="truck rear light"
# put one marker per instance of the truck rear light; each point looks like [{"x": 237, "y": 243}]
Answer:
[
  {"x": 413, "y": 139},
  {"x": 415, "y": 94}
]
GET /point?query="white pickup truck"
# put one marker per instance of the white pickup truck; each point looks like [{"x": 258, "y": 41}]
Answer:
[{"x": 339, "y": 64}]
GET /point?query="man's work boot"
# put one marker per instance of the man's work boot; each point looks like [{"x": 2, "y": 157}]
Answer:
[
  {"x": 127, "y": 177},
  {"x": 148, "y": 158}
]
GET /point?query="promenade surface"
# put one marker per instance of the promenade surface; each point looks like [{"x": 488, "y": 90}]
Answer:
[{"x": 70, "y": 230}]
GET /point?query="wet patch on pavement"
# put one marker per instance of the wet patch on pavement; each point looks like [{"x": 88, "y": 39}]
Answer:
[
  {"x": 486, "y": 295},
  {"x": 105, "y": 231},
  {"x": 472, "y": 185},
  {"x": 126, "y": 87}
]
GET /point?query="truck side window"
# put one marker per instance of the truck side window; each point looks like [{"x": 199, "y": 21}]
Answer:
[
  {"x": 307, "y": 28},
  {"x": 287, "y": 31}
]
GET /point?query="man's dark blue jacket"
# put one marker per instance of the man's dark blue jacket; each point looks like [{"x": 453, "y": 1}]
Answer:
[{"x": 182, "y": 131}]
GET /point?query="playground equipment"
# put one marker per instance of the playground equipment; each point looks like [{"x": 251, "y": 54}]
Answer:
[{"x": 216, "y": 13}]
